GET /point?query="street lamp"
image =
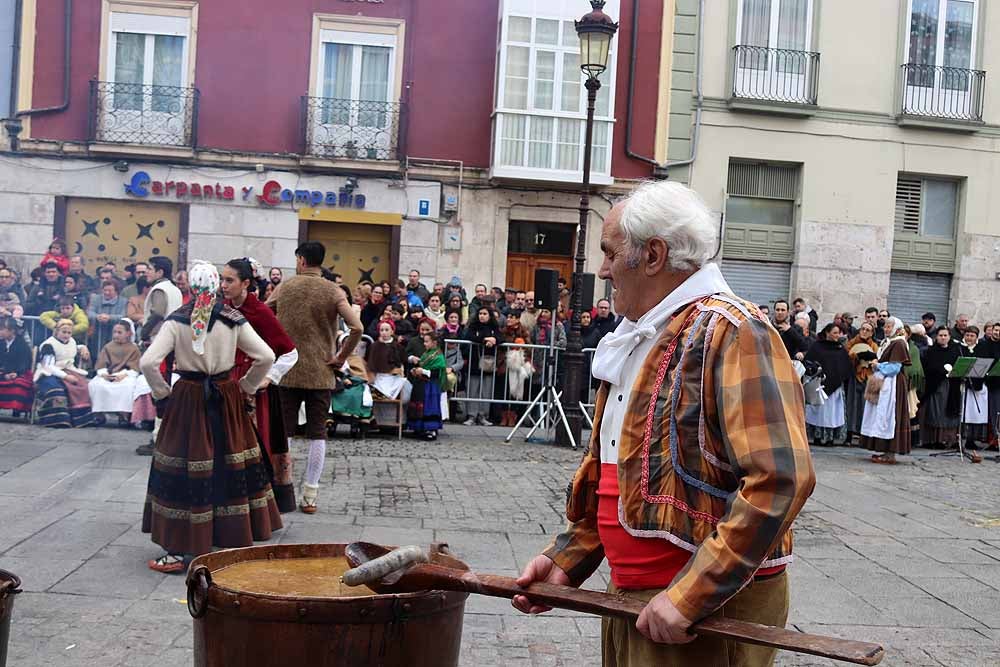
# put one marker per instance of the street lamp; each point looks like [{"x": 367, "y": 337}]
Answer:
[{"x": 595, "y": 29}]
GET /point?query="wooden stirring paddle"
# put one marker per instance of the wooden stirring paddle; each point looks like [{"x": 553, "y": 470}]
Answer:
[{"x": 407, "y": 570}]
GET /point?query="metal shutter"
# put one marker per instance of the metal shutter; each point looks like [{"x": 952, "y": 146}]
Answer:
[
  {"x": 760, "y": 282},
  {"x": 912, "y": 294}
]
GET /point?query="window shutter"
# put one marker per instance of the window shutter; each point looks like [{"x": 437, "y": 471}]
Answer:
[
  {"x": 908, "y": 192},
  {"x": 771, "y": 181}
]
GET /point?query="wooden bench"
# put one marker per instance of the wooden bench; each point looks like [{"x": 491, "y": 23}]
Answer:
[{"x": 382, "y": 408}]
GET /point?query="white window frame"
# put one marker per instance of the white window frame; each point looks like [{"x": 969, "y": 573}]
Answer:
[
  {"x": 503, "y": 112},
  {"x": 953, "y": 99},
  {"x": 384, "y": 132},
  {"x": 150, "y": 25},
  {"x": 357, "y": 40},
  {"x": 772, "y": 78}
]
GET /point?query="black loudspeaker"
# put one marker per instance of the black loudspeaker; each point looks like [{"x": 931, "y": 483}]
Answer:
[
  {"x": 546, "y": 289},
  {"x": 587, "y": 297}
]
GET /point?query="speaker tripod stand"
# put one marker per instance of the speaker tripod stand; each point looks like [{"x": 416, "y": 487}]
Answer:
[{"x": 547, "y": 395}]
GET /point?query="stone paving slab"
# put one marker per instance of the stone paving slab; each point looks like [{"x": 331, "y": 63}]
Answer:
[{"x": 908, "y": 556}]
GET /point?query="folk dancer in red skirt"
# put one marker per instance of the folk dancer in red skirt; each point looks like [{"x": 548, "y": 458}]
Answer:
[
  {"x": 240, "y": 278},
  {"x": 208, "y": 485},
  {"x": 16, "y": 387}
]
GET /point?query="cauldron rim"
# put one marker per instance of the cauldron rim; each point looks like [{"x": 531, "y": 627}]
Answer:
[{"x": 375, "y": 608}]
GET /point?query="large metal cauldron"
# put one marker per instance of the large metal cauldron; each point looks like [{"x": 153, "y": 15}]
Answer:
[
  {"x": 235, "y": 628},
  {"x": 10, "y": 586}
]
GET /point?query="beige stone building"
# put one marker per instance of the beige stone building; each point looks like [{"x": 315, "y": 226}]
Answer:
[{"x": 853, "y": 147}]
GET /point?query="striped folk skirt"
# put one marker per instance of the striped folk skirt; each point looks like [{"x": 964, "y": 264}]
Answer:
[
  {"x": 62, "y": 405},
  {"x": 17, "y": 394},
  {"x": 208, "y": 485}
]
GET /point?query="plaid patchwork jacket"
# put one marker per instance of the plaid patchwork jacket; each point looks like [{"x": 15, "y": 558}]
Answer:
[{"x": 713, "y": 455}]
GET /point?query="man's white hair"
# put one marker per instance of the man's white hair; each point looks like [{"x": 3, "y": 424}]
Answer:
[
  {"x": 803, "y": 317},
  {"x": 675, "y": 213}
]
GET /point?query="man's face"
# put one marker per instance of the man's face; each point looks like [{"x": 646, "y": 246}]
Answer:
[
  {"x": 181, "y": 280},
  {"x": 519, "y": 301},
  {"x": 928, "y": 323},
  {"x": 66, "y": 310},
  {"x": 439, "y": 288},
  {"x": 75, "y": 264},
  {"x": 275, "y": 276},
  {"x": 995, "y": 334},
  {"x": 480, "y": 291},
  {"x": 509, "y": 297},
  {"x": 51, "y": 275},
  {"x": 871, "y": 318},
  {"x": 626, "y": 276},
  {"x": 529, "y": 301},
  {"x": 962, "y": 322},
  {"x": 781, "y": 312},
  {"x": 970, "y": 338},
  {"x": 6, "y": 278},
  {"x": 377, "y": 294},
  {"x": 141, "y": 270},
  {"x": 765, "y": 310},
  {"x": 883, "y": 314},
  {"x": 799, "y": 306},
  {"x": 603, "y": 308},
  {"x": 109, "y": 293},
  {"x": 414, "y": 278}
]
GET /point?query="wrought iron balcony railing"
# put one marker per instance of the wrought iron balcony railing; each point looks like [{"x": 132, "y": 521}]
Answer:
[
  {"x": 133, "y": 113},
  {"x": 775, "y": 75},
  {"x": 351, "y": 129},
  {"x": 943, "y": 92}
]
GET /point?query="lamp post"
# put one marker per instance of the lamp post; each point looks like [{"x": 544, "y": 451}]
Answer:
[{"x": 595, "y": 29}]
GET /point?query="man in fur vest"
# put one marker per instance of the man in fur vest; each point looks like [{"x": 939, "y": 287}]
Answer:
[
  {"x": 308, "y": 307},
  {"x": 699, "y": 460}
]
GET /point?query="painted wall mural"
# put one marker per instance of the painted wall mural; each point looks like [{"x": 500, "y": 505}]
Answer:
[{"x": 123, "y": 232}]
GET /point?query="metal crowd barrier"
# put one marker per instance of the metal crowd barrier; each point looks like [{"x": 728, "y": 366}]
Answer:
[
  {"x": 478, "y": 387},
  {"x": 35, "y": 333}
]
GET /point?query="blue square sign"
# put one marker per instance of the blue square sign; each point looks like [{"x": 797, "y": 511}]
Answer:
[{"x": 424, "y": 207}]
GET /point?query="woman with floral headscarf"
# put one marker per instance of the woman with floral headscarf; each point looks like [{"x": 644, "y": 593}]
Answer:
[
  {"x": 885, "y": 426},
  {"x": 208, "y": 485}
]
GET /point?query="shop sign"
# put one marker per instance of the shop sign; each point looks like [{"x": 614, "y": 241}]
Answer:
[{"x": 272, "y": 193}]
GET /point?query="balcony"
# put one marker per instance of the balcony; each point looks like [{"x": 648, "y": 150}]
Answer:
[
  {"x": 946, "y": 97},
  {"x": 341, "y": 129},
  {"x": 774, "y": 80},
  {"x": 134, "y": 113}
]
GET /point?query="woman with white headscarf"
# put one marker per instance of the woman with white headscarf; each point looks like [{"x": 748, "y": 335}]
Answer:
[
  {"x": 885, "y": 427},
  {"x": 208, "y": 485}
]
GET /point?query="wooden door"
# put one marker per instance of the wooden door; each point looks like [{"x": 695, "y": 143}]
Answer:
[
  {"x": 123, "y": 232},
  {"x": 356, "y": 251},
  {"x": 521, "y": 268}
]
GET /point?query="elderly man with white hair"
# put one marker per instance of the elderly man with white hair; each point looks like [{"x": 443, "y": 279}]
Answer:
[{"x": 699, "y": 460}]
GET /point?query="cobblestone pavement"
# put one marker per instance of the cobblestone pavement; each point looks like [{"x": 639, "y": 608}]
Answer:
[{"x": 906, "y": 555}]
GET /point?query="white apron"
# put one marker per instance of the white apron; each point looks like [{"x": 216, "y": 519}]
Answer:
[{"x": 879, "y": 420}]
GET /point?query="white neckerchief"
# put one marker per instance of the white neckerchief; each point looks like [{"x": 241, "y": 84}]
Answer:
[{"x": 614, "y": 348}]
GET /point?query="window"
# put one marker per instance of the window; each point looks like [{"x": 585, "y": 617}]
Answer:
[
  {"x": 942, "y": 34},
  {"x": 146, "y": 95},
  {"x": 760, "y": 211},
  {"x": 773, "y": 58},
  {"x": 926, "y": 206},
  {"x": 353, "y": 110},
  {"x": 357, "y": 68},
  {"x": 541, "y": 101},
  {"x": 144, "y": 51},
  {"x": 939, "y": 79}
]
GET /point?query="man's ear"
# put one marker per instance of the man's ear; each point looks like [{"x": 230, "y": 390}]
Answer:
[{"x": 656, "y": 253}]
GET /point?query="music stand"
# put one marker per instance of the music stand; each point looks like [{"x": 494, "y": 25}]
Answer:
[{"x": 965, "y": 368}]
